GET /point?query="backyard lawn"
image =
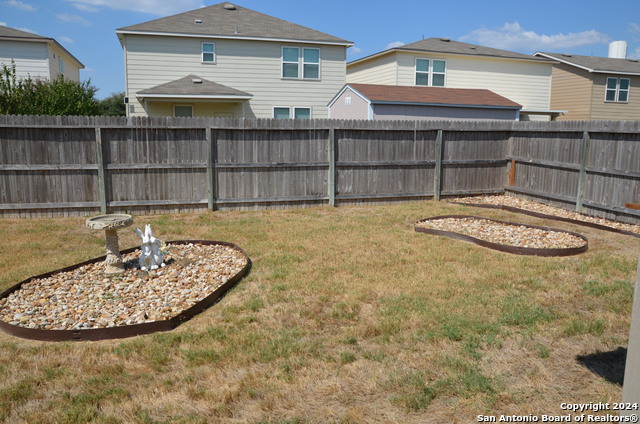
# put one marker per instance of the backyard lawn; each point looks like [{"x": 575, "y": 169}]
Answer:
[{"x": 347, "y": 316}]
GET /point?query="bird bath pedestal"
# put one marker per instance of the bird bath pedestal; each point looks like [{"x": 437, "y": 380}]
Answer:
[{"x": 111, "y": 223}]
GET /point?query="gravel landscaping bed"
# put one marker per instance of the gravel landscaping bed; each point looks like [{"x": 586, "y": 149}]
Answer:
[
  {"x": 531, "y": 206},
  {"x": 504, "y": 233},
  {"x": 85, "y": 299}
]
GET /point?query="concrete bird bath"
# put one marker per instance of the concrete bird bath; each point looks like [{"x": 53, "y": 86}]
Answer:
[{"x": 111, "y": 223}]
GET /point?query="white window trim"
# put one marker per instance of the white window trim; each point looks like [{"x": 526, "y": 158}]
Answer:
[
  {"x": 301, "y": 63},
  {"x": 202, "y": 52},
  {"x": 429, "y": 73},
  {"x": 292, "y": 109},
  {"x": 617, "y": 90}
]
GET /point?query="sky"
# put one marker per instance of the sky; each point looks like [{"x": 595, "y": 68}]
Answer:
[{"x": 86, "y": 28}]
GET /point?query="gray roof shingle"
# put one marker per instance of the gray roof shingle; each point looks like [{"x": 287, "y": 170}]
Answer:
[
  {"x": 433, "y": 95},
  {"x": 228, "y": 20},
  {"x": 193, "y": 85},
  {"x": 6, "y": 32},
  {"x": 597, "y": 64},
  {"x": 447, "y": 46}
]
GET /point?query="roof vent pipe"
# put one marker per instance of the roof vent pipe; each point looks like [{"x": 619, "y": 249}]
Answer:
[
  {"x": 618, "y": 50},
  {"x": 230, "y": 6}
]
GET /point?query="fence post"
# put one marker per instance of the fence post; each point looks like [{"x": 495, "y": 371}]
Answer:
[
  {"x": 437, "y": 172},
  {"x": 211, "y": 171},
  {"x": 331, "y": 176},
  {"x": 631, "y": 385},
  {"x": 582, "y": 178},
  {"x": 102, "y": 190}
]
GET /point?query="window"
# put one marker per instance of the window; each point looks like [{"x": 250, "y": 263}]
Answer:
[
  {"x": 298, "y": 113},
  {"x": 310, "y": 63},
  {"x": 302, "y": 113},
  {"x": 208, "y": 53},
  {"x": 183, "y": 111},
  {"x": 295, "y": 60},
  {"x": 430, "y": 72},
  {"x": 281, "y": 113},
  {"x": 61, "y": 66},
  {"x": 617, "y": 90}
]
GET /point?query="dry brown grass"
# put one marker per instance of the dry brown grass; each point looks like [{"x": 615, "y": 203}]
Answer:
[{"x": 348, "y": 316}]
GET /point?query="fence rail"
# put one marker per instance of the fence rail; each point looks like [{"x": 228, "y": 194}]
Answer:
[{"x": 53, "y": 166}]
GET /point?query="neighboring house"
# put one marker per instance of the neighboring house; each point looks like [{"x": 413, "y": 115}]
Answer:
[
  {"x": 226, "y": 60},
  {"x": 36, "y": 56},
  {"x": 590, "y": 87},
  {"x": 384, "y": 102},
  {"x": 440, "y": 62}
]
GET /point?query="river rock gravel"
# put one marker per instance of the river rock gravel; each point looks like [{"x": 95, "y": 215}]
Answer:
[
  {"x": 84, "y": 298},
  {"x": 505, "y": 234},
  {"x": 532, "y": 206}
]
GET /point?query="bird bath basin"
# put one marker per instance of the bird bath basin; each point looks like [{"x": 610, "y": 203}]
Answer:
[{"x": 111, "y": 223}]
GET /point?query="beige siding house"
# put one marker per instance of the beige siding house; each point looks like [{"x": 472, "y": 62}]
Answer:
[
  {"x": 440, "y": 62},
  {"x": 590, "y": 87},
  {"x": 37, "y": 57},
  {"x": 226, "y": 60}
]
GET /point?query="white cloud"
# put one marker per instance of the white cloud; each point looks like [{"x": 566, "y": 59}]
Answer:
[
  {"x": 634, "y": 28},
  {"x": 635, "y": 54},
  {"x": 513, "y": 37},
  {"x": 3, "y": 24},
  {"x": 354, "y": 50},
  {"x": 20, "y": 5},
  {"x": 156, "y": 7},
  {"x": 66, "y": 40},
  {"x": 394, "y": 44},
  {"x": 65, "y": 17}
]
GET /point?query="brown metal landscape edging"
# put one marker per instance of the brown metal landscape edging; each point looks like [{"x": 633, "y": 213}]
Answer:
[
  {"x": 92, "y": 334},
  {"x": 503, "y": 247},
  {"x": 545, "y": 216}
]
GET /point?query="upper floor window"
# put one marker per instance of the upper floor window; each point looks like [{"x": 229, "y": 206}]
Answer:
[
  {"x": 61, "y": 66},
  {"x": 431, "y": 72},
  {"x": 208, "y": 53},
  {"x": 617, "y": 90},
  {"x": 300, "y": 63}
]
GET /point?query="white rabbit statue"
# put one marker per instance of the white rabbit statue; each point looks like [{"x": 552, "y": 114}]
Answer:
[{"x": 151, "y": 257}]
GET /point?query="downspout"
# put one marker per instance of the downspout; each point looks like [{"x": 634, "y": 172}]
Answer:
[{"x": 126, "y": 74}]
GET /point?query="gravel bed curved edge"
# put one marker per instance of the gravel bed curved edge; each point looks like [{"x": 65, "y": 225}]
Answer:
[
  {"x": 547, "y": 216},
  {"x": 93, "y": 334},
  {"x": 517, "y": 250}
]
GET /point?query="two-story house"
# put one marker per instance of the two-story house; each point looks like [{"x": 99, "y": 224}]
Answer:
[
  {"x": 589, "y": 87},
  {"x": 441, "y": 62},
  {"x": 37, "y": 57},
  {"x": 226, "y": 60}
]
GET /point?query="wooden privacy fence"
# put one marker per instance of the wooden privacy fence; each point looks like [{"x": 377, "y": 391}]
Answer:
[{"x": 52, "y": 166}]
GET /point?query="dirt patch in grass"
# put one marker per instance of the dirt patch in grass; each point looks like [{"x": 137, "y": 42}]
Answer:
[{"x": 348, "y": 316}]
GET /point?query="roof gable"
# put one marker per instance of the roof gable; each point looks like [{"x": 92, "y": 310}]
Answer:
[
  {"x": 597, "y": 64},
  {"x": 447, "y": 46},
  {"x": 6, "y": 32},
  {"x": 13, "y": 34},
  {"x": 193, "y": 86},
  {"x": 432, "y": 95},
  {"x": 230, "y": 21}
]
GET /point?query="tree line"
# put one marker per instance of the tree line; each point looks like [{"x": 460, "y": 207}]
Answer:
[{"x": 28, "y": 96}]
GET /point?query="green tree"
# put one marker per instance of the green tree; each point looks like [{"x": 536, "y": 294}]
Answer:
[
  {"x": 42, "y": 97},
  {"x": 113, "y": 105}
]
